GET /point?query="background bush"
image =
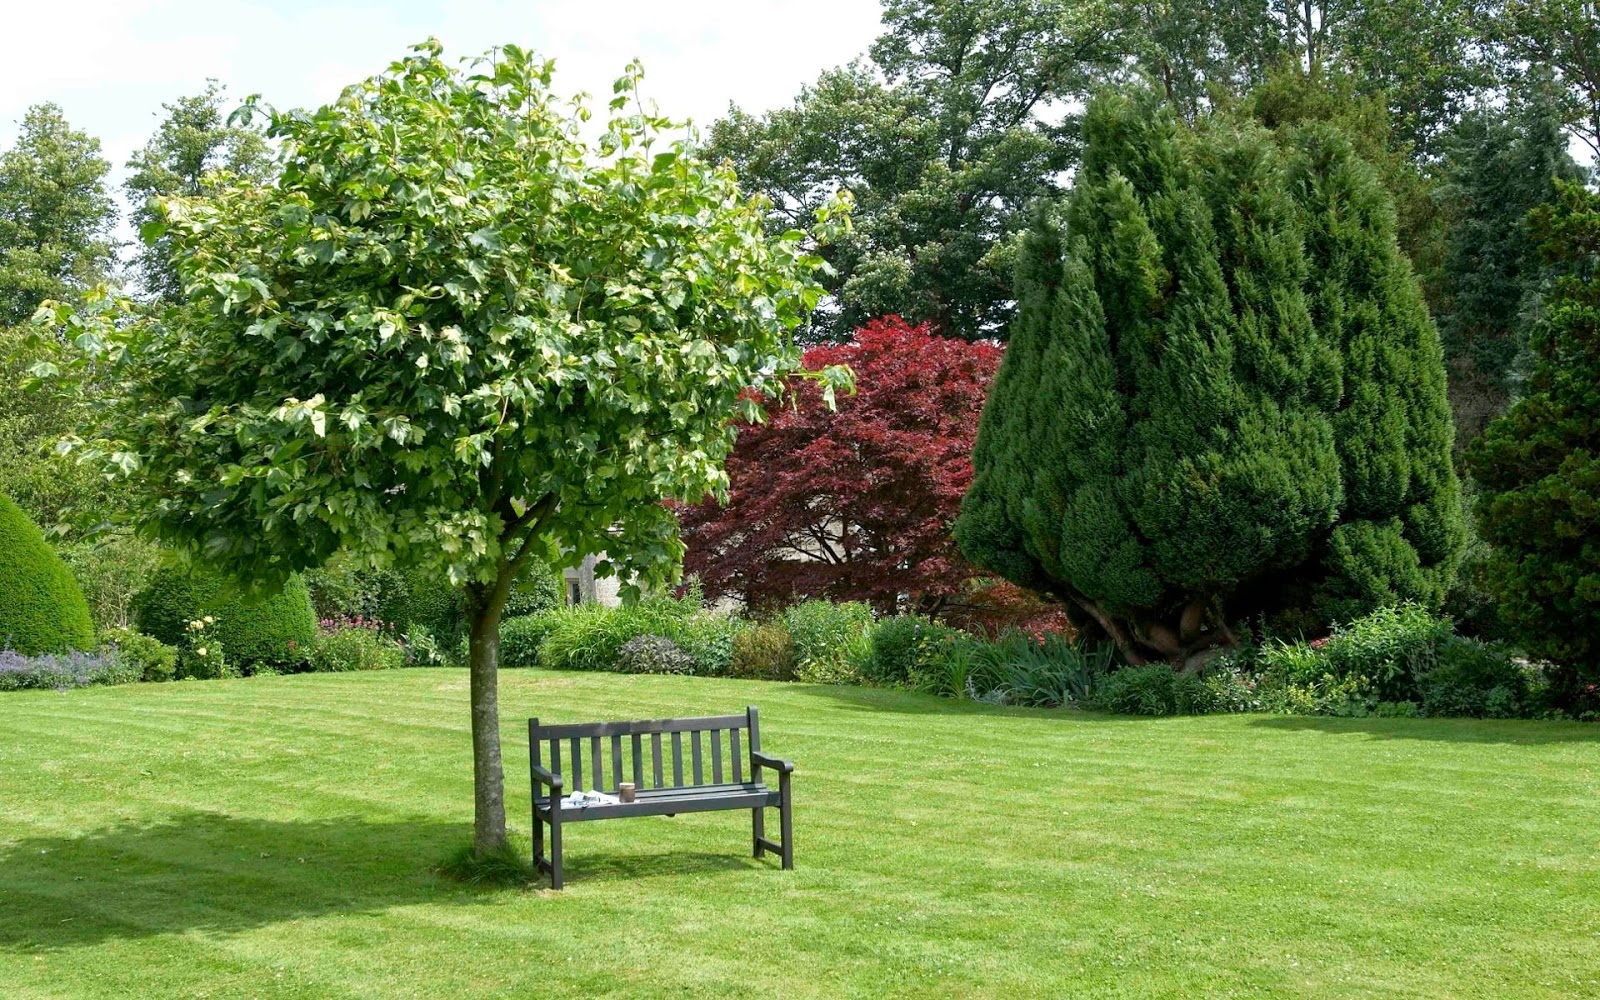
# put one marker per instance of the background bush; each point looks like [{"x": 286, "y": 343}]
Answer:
[
  {"x": 904, "y": 647},
  {"x": 764, "y": 651},
  {"x": 654, "y": 654},
  {"x": 825, "y": 634},
  {"x": 520, "y": 638},
  {"x": 152, "y": 659},
  {"x": 1155, "y": 689},
  {"x": 345, "y": 648},
  {"x": 42, "y": 609},
  {"x": 110, "y": 571},
  {"x": 274, "y": 632}
]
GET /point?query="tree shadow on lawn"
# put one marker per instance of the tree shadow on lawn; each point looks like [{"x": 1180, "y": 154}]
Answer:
[
  {"x": 210, "y": 872},
  {"x": 1509, "y": 731}
]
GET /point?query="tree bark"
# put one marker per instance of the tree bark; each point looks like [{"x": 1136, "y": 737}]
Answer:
[{"x": 483, "y": 663}]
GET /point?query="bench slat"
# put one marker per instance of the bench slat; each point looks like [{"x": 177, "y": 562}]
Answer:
[
  {"x": 585, "y": 729},
  {"x": 694, "y": 743},
  {"x": 655, "y": 756},
  {"x": 594, "y": 762},
  {"x": 638, "y": 761},
  {"x": 677, "y": 759},
  {"x": 616, "y": 762},
  {"x": 738, "y": 762},
  {"x": 716, "y": 756},
  {"x": 577, "y": 763},
  {"x": 555, "y": 756}
]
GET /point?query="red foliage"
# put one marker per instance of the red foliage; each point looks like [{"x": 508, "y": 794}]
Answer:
[{"x": 854, "y": 504}]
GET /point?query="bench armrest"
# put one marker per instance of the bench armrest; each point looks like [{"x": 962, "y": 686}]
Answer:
[
  {"x": 545, "y": 776},
  {"x": 778, "y": 764}
]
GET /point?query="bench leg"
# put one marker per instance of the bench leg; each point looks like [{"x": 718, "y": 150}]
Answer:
[
  {"x": 758, "y": 829},
  {"x": 538, "y": 842},
  {"x": 786, "y": 819},
  {"x": 555, "y": 848}
]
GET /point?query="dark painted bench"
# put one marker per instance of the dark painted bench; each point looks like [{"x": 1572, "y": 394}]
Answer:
[{"x": 599, "y": 756}]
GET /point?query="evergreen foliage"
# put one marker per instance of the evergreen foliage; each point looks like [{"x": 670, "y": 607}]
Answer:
[
  {"x": 41, "y": 608},
  {"x": 276, "y": 630},
  {"x": 1223, "y": 395},
  {"x": 1539, "y": 465}
]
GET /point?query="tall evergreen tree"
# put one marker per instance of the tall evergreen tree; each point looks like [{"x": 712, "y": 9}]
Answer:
[
  {"x": 1223, "y": 395},
  {"x": 1539, "y": 465},
  {"x": 1500, "y": 165}
]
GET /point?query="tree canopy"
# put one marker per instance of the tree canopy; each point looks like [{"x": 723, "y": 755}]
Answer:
[
  {"x": 55, "y": 214},
  {"x": 853, "y": 503},
  {"x": 452, "y": 334}
]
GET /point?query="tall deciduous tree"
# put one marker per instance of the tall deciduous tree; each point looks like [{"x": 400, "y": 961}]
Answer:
[
  {"x": 947, "y": 133},
  {"x": 452, "y": 335},
  {"x": 55, "y": 214},
  {"x": 1222, "y": 395},
  {"x": 190, "y": 145},
  {"x": 854, "y": 503},
  {"x": 1539, "y": 465},
  {"x": 1562, "y": 38}
]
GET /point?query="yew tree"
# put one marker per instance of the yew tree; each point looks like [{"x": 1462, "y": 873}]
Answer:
[
  {"x": 1223, "y": 396},
  {"x": 854, "y": 502},
  {"x": 452, "y": 334}
]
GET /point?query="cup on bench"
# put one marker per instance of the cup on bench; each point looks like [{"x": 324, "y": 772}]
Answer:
[{"x": 625, "y": 791}]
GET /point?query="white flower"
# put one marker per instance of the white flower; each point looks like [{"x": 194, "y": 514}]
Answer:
[
  {"x": 201, "y": 651},
  {"x": 209, "y": 619}
]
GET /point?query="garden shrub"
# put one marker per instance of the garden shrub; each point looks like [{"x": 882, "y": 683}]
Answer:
[
  {"x": 201, "y": 656},
  {"x": 42, "y": 609},
  {"x": 763, "y": 651},
  {"x": 708, "y": 636},
  {"x": 590, "y": 636},
  {"x": 825, "y": 634},
  {"x": 153, "y": 659},
  {"x": 520, "y": 638},
  {"x": 61, "y": 671},
  {"x": 1391, "y": 647},
  {"x": 654, "y": 654},
  {"x": 903, "y": 647},
  {"x": 539, "y": 588},
  {"x": 1046, "y": 671},
  {"x": 111, "y": 570},
  {"x": 1475, "y": 679},
  {"x": 1155, "y": 689},
  {"x": 273, "y": 632},
  {"x": 353, "y": 647}
]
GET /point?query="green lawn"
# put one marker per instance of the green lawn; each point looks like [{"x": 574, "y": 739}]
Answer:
[{"x": 274, "y": 837}]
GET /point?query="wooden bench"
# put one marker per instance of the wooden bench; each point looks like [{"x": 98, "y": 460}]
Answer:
[{"x": 599, "y": 754}]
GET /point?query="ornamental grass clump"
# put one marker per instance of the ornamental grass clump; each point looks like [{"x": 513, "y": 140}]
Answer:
[{"x": 63, "y": 671}]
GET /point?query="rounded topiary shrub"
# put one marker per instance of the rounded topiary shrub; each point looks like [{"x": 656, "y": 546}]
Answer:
[
  {"x": 42, "y": 609},
  {"x": 276, "y": 631}
]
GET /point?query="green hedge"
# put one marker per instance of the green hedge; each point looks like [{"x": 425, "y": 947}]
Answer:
[
  {"x": 276, "y": 631},
  {"x": 42, "y": 609}
]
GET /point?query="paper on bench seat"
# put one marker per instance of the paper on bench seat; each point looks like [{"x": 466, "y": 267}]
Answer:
[{"x": 580, "y": 799}]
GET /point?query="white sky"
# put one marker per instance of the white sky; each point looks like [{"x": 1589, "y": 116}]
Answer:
[{"x": 111, "y": 64}]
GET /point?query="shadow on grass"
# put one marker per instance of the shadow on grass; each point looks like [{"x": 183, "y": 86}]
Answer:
[
  {"x": 1509, "y": 731},
  {"x": 214, "y": 873},
  {"x": 211, "y": 872}
]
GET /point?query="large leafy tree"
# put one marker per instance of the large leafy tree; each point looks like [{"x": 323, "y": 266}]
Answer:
[
  {"x": 1222, "y": 395},
  {"x": 1539, "y": 465},
  {"x": 451, "y": 335},
  {"x": 55, "y": 214},
  {"x": 1560, "y": 38},
  {"x": 944, "y": 136},
  {"x": 190, "y": 146},
  {"x": 853, "y": 503}
]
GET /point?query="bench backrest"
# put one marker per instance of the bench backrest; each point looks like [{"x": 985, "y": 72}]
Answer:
[{"x": 652, "y": 753}]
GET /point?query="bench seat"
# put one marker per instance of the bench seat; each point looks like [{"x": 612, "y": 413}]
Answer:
[{"x": 670, "y": 801}]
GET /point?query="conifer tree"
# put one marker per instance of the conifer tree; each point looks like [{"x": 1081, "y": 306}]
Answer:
[
  {"x": 1223, "y": 396},
  {"x": 1539, "y": 465}
]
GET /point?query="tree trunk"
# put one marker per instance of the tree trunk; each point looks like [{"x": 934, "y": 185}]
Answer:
[
  {"x": 488, "y": 775},
  {"x": 1180, "y": 638}
]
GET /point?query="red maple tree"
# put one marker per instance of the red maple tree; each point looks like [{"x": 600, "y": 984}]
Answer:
[{"x": 855, "y": 503}]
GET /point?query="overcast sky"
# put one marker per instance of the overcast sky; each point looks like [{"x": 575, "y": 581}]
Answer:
[{"x": 111, "y": 64}]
